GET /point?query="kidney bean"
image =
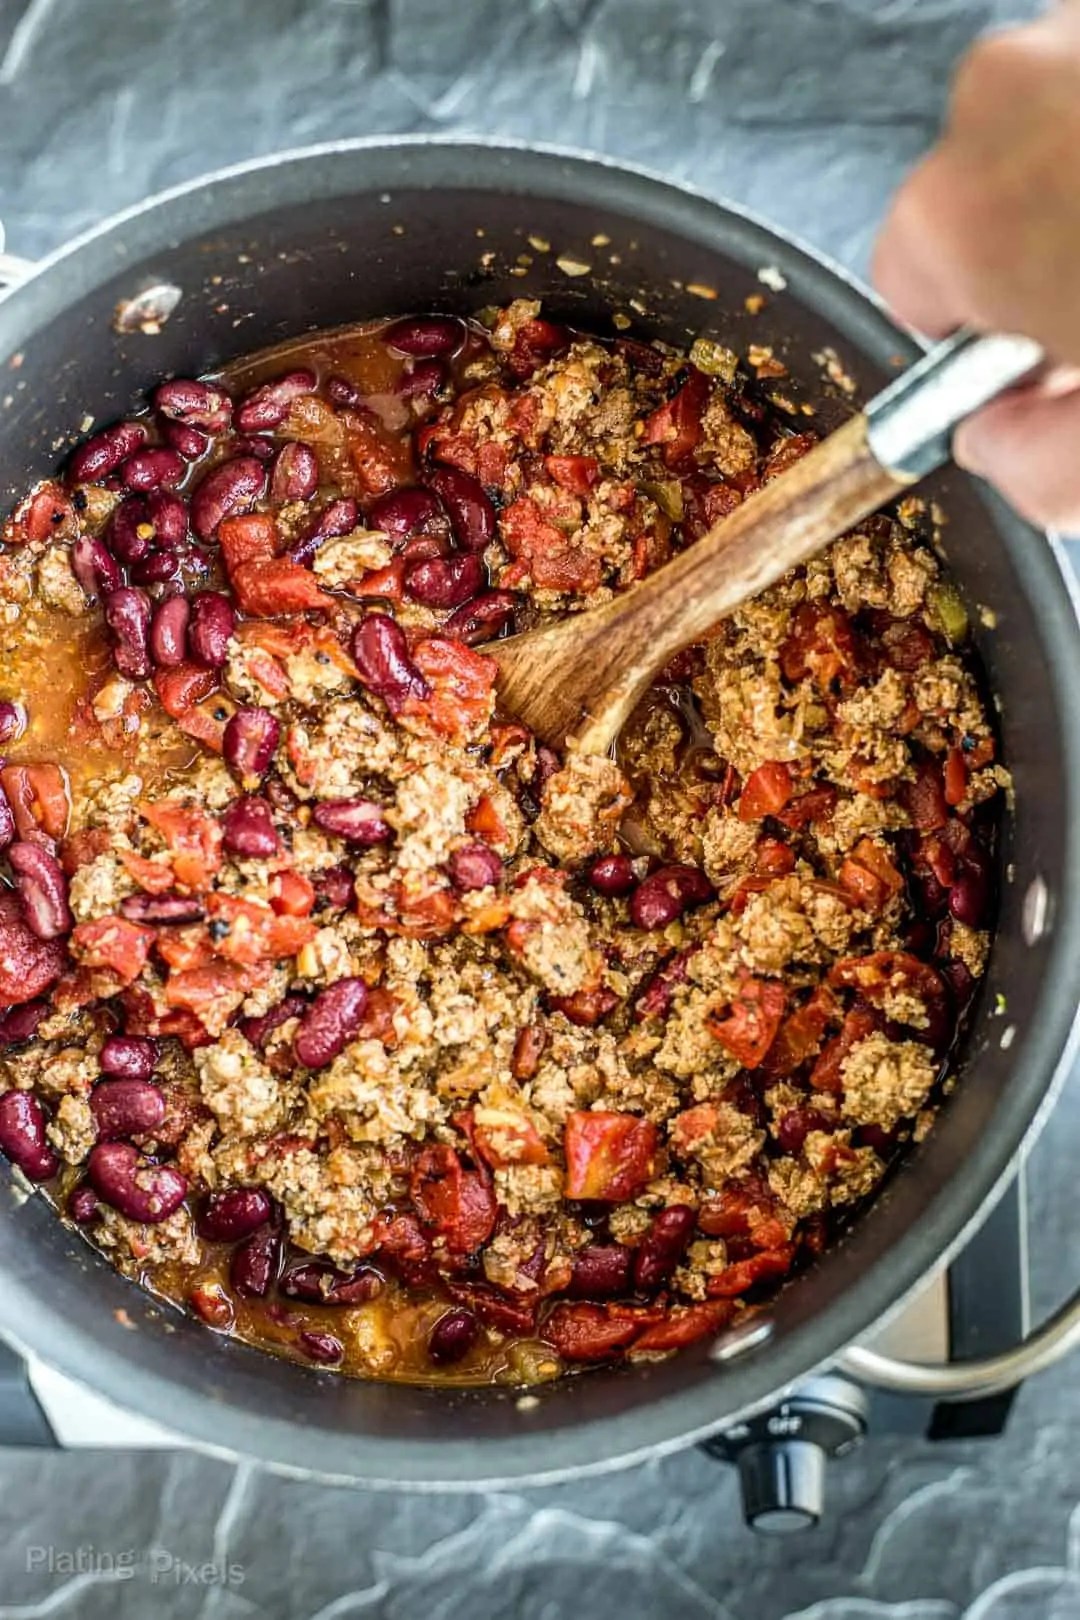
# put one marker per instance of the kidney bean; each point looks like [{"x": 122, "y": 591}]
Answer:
[
  {"x": 661, "y": 1249},
  {"x": 131, "y": 532},
  {"x": 474, "y": 866},
  {"x": 330, "y": 1023},
  {"x": 335, "y": 519},
  {"x": 259, "y": 1030},
  {"x": 18, "y": 1024},
  {"x": 452, "y": 1336},
  {"x": 665, "y": 895},
  {"x": 162, "y": 908},
  {"x": 234, "y": 1214},
  {"x": 425, "y": 378},
  {"x": 483, "y": 618},
  {"x": 424, "y": 335},
  {"x": 83, "y": 1205},
  {"x": 322, "y": 1347},
  {"x": 249, "y": 744},
  {"x": 340, "y": 391},
  {"x": 335, "y": 887},
  {"x": 210, "y": 631},
  {"x": 250, "y": 444},
  {"x": 445, "y": 582},
  {"x": 195, "y": 404},
  {"x": 139, "y": 1189},
  {"x": 127, "y": 613},
  {"x": 381, "y": 655},
  {"x": 150, "y": 469},
  {"x": 601, "y": 1270},
  {"x": 22, "y": 1135},
  {"x": 124, "y": 1108},
  {"x": 423, "y": 547},
  {"x": 472, "y": 516},
  {"x": 319, "y": 1283},
  {"x": 128, "y": 1057},
  {"x": 226, "y": 491},
  {"x": 7, "y": 821},
  {"x": 612, "y": 875},
  {"x": 12, "y": 722},
  {"x": 359, "y": 821},
  {"x": 94, "y": 568},
  {"x": 159, "y": 568},
  {"x": 968, "y": 898},
  {"x": 248, "y": 828},
  {"x": 268, "y": 406},
  {"x": 168, "y": 632},
  {"x": 188, "y": 442},
  {"x": 404, "y": 512},
  {"x": 795, "y": 1126},
  {"x": 103, "y": 452},
  {"x": 42, "y": 890},
  {"x": 256, "y": 1263},
  {"x": 295, "y": 475}
]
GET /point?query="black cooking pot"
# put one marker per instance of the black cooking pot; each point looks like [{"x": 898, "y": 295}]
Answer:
[{"x": 333, "y": 235}]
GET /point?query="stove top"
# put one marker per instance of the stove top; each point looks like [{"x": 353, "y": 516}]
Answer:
[{"x": 976, "y": 1308}]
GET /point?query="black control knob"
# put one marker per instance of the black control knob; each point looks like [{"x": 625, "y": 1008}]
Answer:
[
  {"x": 783, "y": 1485},
  {"x": 781, "y": 1454}
]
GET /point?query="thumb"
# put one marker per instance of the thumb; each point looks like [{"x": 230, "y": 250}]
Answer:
[{"x": 1028, "y": 446}]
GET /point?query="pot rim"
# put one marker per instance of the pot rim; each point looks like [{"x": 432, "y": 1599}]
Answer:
[{"x": 657, "y": 1425}]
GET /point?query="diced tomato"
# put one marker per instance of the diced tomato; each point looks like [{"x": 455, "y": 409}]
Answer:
[
  {"x": 693, "y": 1128},
  {"x": 816, "y": 805},
  {"x": 206, "y": 722},
  {"x": 869, "y": 876},
  {"x": 585, "y": 1007},
  {"x": 766, "y": 792},
  {"x": 874, "y": 976},
  {"x": 826, "y": 1074},
  {"x": 426, "y": 908},
  {"x": 267, "y": 673},
  {"x": 155, "y": 877},
  {"x": 578, "y": 474},
  {"x": 594, "y": 1332},
  {"x": 276, "y": 585},
  {"x": 544, "y": 552},
  {"x": 292, "y": 895},
  {"x": 39, "y": 800},
  {"x": 955, "y": 776},
  {"x": 380, "y": 462},
  {"x": 740, "y": 1277},
  {"x": 787, "y": 453},
  {"x": 387, "y": 583},
  {"x": 821, "y": 645},
  {"x": 28, "y": 965},
  {"x": 677, "y": 424},
  {"x": 685, "y": 1325},
  {"x": 82, "y": 847},
  {"x": 751, "y": 1025},
  {"x": 251, "y": 538},
  {"x": 113, "y": 943},
  {"x": 184, "y": 948},
  {"x": 181, "y": 688},
  {"x": 772, "y": 858},
  {"x": 609, "y": 1157},
  {"x": 462, "y": 682},
  {"x": 485, "y": 822},
  {"x": 212, "y": 993},
  {"x": 739, "y": 1209},
  {"x": 45, "y": 515},
  {"x": 458, "y": 1203},
  {"x": 801, "y": 1034},
  {"x": 255, "y": 931},
  {"x": 192, "y": 838},
  {"x": 526, "y": 533},
  {"x": 506, "y": 1136},
  {"x": 924, "y": 799}
]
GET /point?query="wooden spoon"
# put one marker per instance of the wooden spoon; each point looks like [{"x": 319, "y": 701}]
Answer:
[{"x": 582, "y": 677}]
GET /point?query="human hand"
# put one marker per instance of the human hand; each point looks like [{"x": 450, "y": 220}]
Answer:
[{"x": 986, "y": 233}]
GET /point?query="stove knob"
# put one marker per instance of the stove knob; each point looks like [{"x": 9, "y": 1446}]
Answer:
[{"x": 783, "y": 1485}]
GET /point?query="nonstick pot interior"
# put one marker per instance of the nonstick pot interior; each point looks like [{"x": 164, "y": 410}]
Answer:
[{"x": 336, "y": 235}]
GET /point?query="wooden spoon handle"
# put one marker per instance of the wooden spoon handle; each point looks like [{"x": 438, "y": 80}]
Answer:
[{"x": 619, "y": 647}]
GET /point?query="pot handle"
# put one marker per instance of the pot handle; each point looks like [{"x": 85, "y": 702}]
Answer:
[
  {"x": 970, "y": 1380},
  {"x": 13, "y": 270}
]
